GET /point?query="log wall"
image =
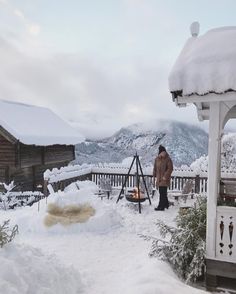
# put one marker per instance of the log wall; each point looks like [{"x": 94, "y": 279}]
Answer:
[
  {"x": 7, "y": 152},
  {"x": 23, "y": 178},
  {"x": 58, "y": 153},
  {"x": 30, "y": 155},
  {"x": 31, "y": 178},
  {"x": 25, "y": 164}
]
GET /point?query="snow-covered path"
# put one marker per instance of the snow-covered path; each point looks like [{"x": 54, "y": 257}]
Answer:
[{"x": 114, "y": 263}]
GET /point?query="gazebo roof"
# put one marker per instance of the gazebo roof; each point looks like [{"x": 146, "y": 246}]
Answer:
[{"x": 206, "y": 64}]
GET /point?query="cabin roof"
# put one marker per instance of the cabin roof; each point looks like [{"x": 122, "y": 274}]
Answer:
[
  {"x": 33, "y": 125},
  {"x": 206, "y": 64}
]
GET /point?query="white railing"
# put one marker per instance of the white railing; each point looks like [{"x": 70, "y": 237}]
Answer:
[
  {"x": 226, "y": 233},
  {"x": 117, "y": 172},
  {"x": 57, "y": 174}
]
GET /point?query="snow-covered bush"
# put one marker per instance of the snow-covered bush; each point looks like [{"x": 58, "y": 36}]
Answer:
[
  {"x": 185, "y": 250},
  {"x": 10, "y": 199},
  {"x": 5, "y": 199},
  {"x": 7, "y": 234}
]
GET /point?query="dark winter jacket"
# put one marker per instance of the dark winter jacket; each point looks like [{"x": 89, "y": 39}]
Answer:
[{"x": 162, "y": 170}]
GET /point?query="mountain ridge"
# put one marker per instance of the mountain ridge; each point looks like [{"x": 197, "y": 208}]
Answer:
[{"x": 184, "y": 142}]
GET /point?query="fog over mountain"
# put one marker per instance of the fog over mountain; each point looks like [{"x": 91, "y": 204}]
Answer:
[{"x": 184, "y": 142}]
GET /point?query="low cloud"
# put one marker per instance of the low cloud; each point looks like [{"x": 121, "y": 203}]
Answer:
[{"x": 97, "y": 97}]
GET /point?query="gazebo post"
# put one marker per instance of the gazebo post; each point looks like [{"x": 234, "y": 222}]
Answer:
[{"x": 213, "y": 175}]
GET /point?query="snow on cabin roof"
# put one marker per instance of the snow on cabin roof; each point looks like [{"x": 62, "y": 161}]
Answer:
[
  {"x": 33, "y": 125},
  {"x": 206, "y": 64}
]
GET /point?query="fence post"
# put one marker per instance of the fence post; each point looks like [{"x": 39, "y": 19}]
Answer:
[
  {"x": 89, "y": 177},
  {"x": 45, "y": 188},
  {"x": 197, "y": 184}
]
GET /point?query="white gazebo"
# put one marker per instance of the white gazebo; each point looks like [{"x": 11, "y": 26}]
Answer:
[{"x": 205, "y": 75}]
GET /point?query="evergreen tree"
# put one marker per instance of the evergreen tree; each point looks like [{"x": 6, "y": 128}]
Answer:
[{"x": 185, "y": 250}]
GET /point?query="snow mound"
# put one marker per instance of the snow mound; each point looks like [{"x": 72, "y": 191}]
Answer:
[
  {"x": 25, "y": 270},
  {"x": 75, "y": 194},
  {"x": 105, "y": 219}
]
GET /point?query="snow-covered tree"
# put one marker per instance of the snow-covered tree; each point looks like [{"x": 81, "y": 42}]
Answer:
[
  {"x": 185, "y": 249},
  {"x": 228, "y": 159},
  {"x": 200, "y": 164},
  {"x": 228, "y": 156}
]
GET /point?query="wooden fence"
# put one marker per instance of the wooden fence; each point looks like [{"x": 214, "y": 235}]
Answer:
[{"x": 117, "y": 179}]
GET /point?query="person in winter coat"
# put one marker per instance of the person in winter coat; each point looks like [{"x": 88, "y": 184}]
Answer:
[{"x": 162, "y": 170}]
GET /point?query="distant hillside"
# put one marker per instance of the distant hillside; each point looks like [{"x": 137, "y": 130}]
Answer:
[{"x": 185, "y": 143}]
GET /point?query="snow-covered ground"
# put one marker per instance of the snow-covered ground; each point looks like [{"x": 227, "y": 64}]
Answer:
[{"x": 103, "y": 255}]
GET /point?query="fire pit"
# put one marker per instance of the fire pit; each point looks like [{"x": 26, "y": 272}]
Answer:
[{"x": 135, "y": 195}]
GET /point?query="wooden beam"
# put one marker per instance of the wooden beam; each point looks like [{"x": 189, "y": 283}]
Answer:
[
  {"x": 221, "y": 268},
  {"x": 73, "y": 148},
  {"x": 43, "y": 154},
  {"x": 33, "y": 178},
  {"x": 7, "y": 174},
  {"x": 230, "y": 111},
  {"x": 7, "y": 135},
  {"x": 203, "y": 114},
  {"x": 211, "y": 97},
  {"x": 18, "y": 157}
]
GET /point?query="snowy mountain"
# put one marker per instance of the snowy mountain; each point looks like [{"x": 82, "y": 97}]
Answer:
[{"x": 185, "y": 143}]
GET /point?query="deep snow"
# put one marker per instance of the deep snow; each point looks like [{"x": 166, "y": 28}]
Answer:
[
  {"x": 206, "y": 63},
  {"x": 24, "y": 122},
  {"x": 104, "y": 255}
]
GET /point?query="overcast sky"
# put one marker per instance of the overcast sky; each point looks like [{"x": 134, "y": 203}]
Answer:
[{"x": 100, "y": 64}]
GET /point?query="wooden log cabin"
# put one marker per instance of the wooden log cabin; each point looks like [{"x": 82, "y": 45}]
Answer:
[{"x": 32, "y": 140}]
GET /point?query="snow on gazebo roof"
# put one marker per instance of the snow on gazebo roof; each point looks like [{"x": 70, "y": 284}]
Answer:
[
  {"x": 207, "y": 63},
  {"x": 33, "y": 125}
]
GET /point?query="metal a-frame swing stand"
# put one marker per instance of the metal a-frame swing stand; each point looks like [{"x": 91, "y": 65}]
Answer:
[{"x": 139, "y": 173}]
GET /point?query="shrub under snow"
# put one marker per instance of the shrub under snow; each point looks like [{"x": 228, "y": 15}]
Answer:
[
  {"x": 185, "y": 250},
  {"x": 7, "y": 234}
]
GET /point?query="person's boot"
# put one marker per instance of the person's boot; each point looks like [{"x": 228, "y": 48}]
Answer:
[
  {"x": 167, "y": 205},
  {"x": 159, "y": 208}
]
